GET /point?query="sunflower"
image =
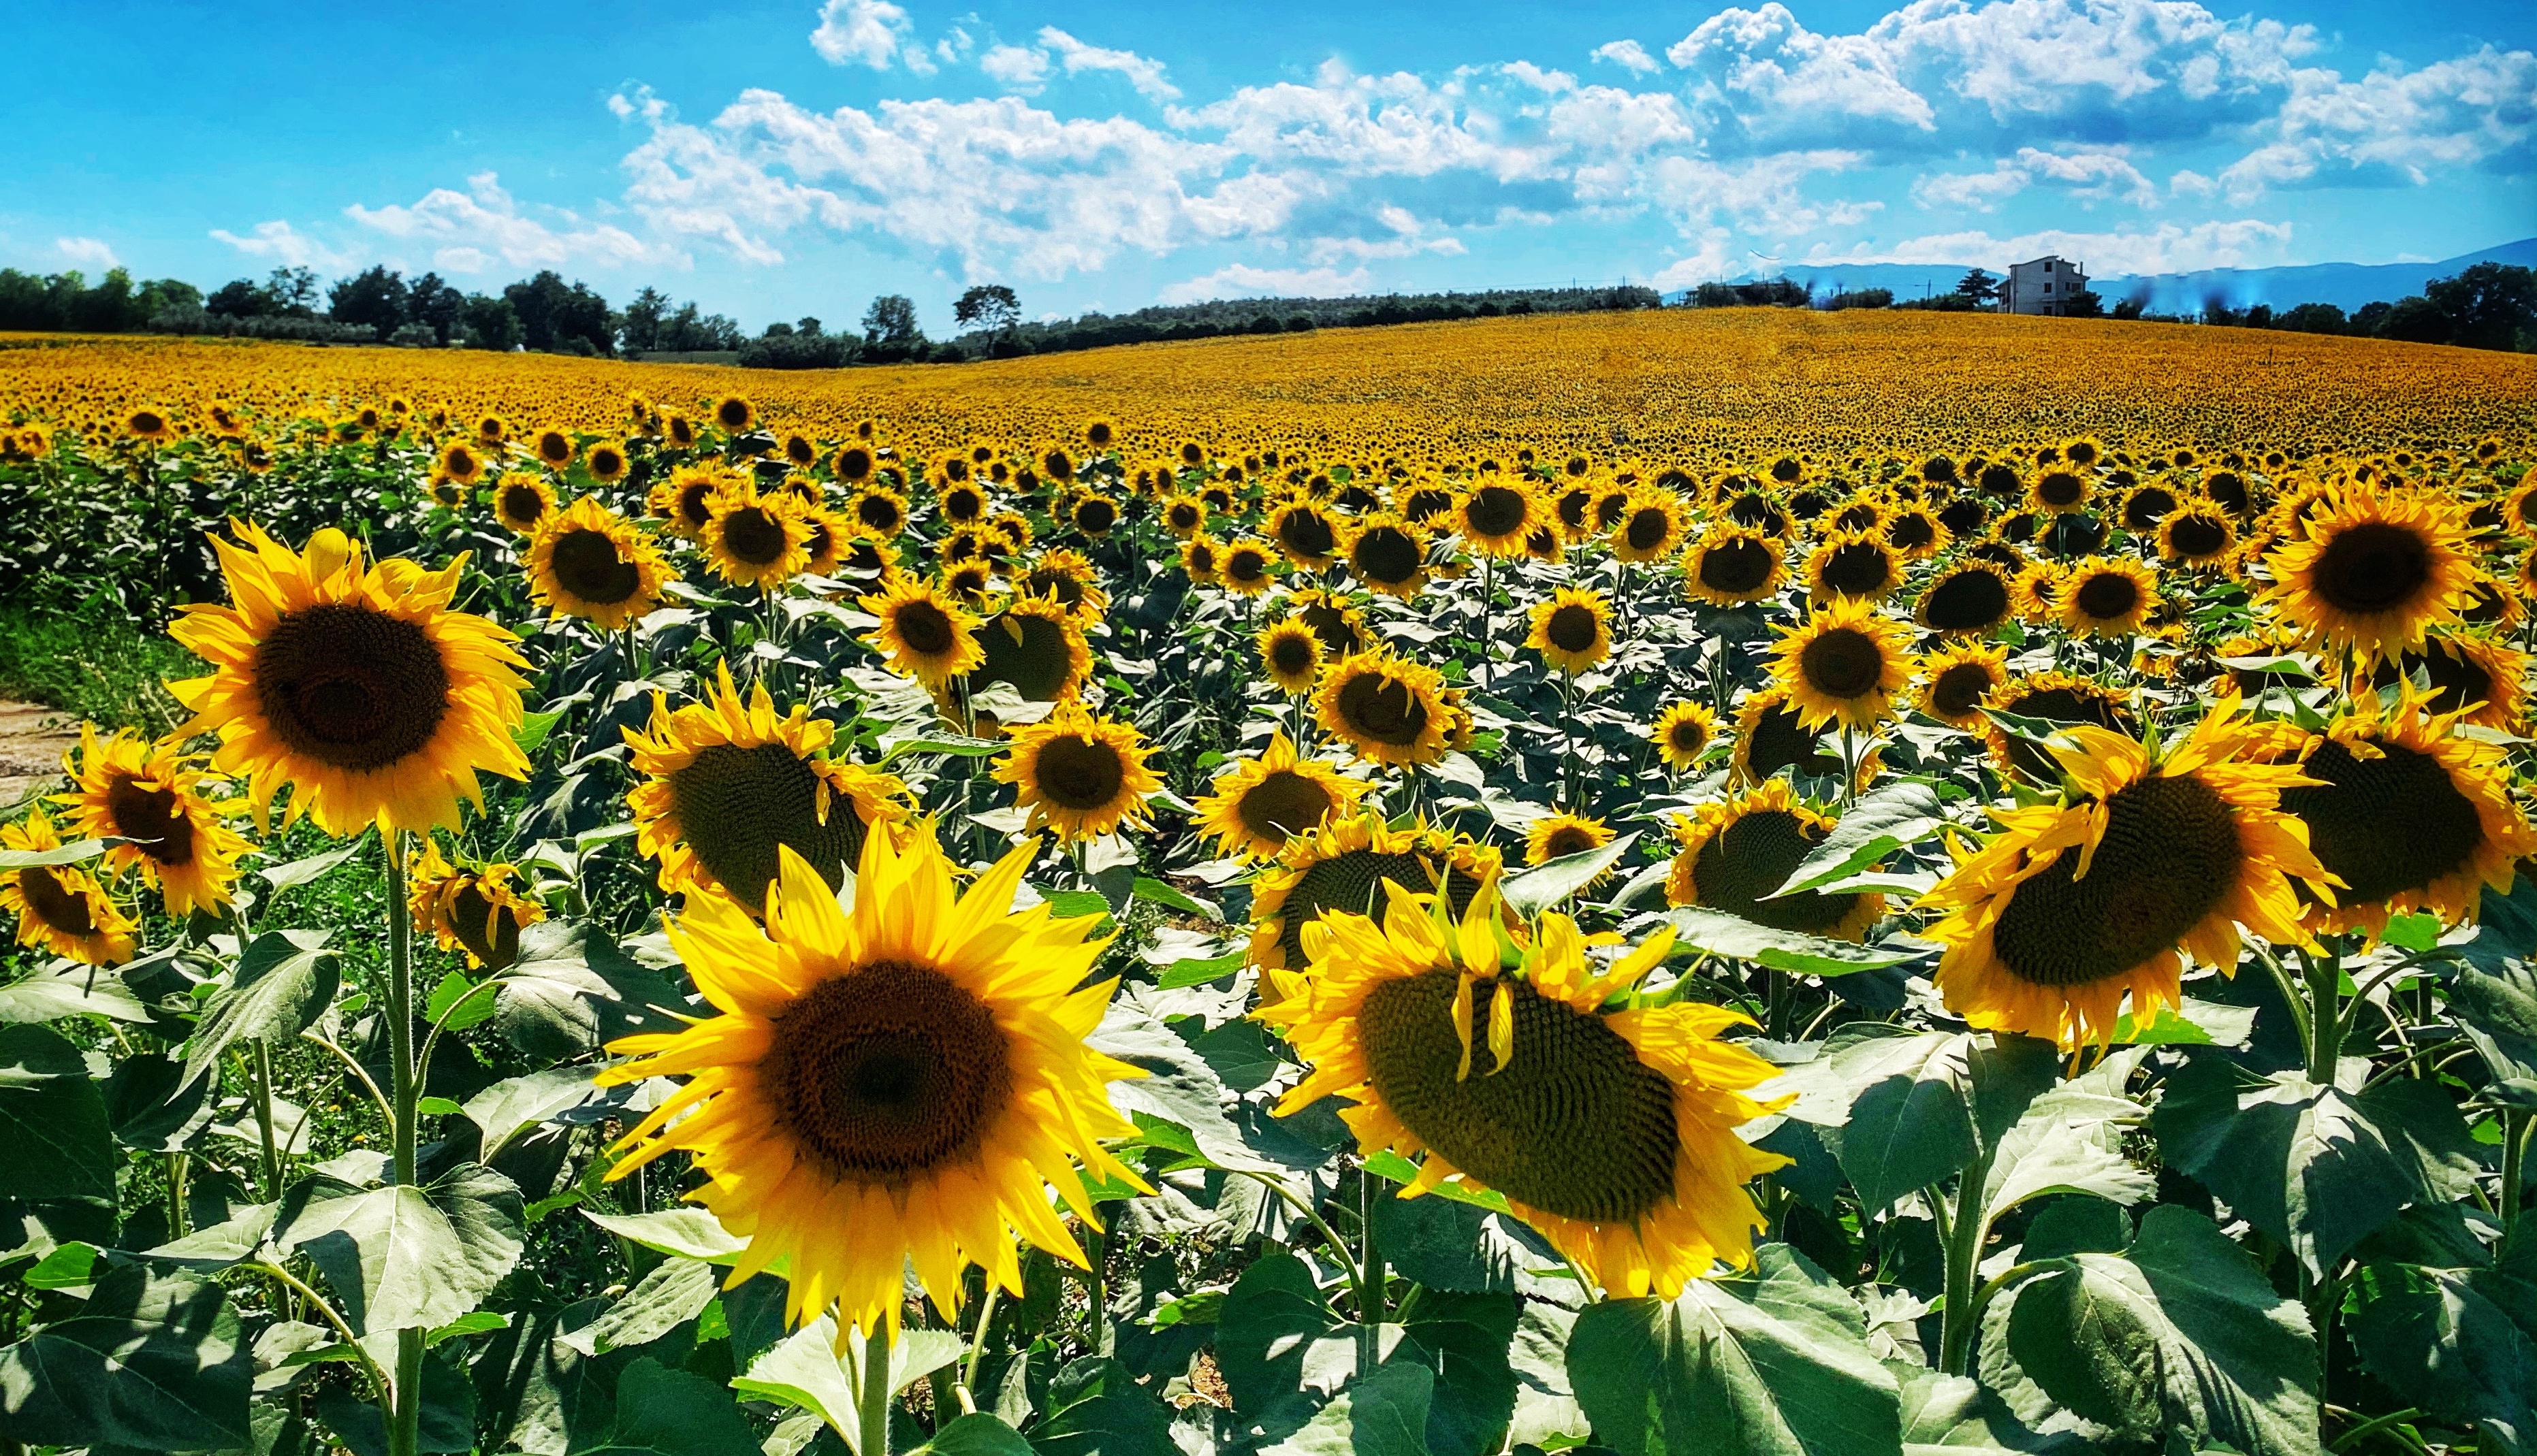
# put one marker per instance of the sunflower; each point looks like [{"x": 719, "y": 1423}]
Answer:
[
  {"x": 1955, "y": 684},
  {"x": 1572, "y": 629},
  {"x": 2102, "y": 598},
  {"x": 1260, "y": 804},
  {"x": 891, "y": 1086},
  {"x": 2375, "y": 572},
  {"x": 1038, "y": 647},
  {"x": 728, "y": 782},
  {"x": 461, "y": 462},
  {"x": 1613, "y": 1135},
  {"x": 1732, "y": 565},
  {"x": 553, "y": 448},
  {"x": 1184, "y": 516},
  {"x": 1385, "y": 708},
  {"x": 1973, "y": 596},
  {"x": 1496, "y": 517},
  {"x": 153, "y": 427},
  {"x": 140, "y": 792},
  {"x": 1843, "y": 665},
  {"x": 1342, "y": 866},
  {"x": 1096, "y": 515},
  {"x": 607, "y": 461},
  {"x": 2059, "y": 698},
  {"x": 358, "y": 687},
  {"x": 2200, "y": 533},
  {"x": 1292, "y": 655},
  {"x": 2475, "y": 677},
  {"x": 926, "y": 634},
  {"x": 1735, "y": 854},
  {"x": 523, "y": 502},
  {"x": 966, "y": 583},
  {"x": 1771, "y": 735},
  {"x": 2407, "y": 814},
  {"x": 1069, "y": 579},
  {"x": 493, "y": 430},
  {"x": 590, "y": 562},
  {"x": 2089, "y": 896},
  {"x": 2056, "y": 491},
  {"x": 687, "y": 499},
  {"x": 1558, "y": 836},
  {"x": 1681, "y": 733},
  {"x": 734, "y": 416},
  {"x": 476, "y": 911},
  {"x": 1917, "y": 533},
  {"x": 59, "y": 907},
  {"x": 1304, "y": 531},
  {"x": 962, "y": 504},
  {"x": 1846, "y": 565},
  {"x": 679, "y": 431},
  {"x": 1250, "y": 567},
  {"x": 1203, "y": 556},
  {"x": 1389, "y": 555},
  {"x": 1652, "y": 525},
  {"x": 755, "y": 540},
  {"x": 1083, "y": 776},
  {"x": 2036, "y": 593}
]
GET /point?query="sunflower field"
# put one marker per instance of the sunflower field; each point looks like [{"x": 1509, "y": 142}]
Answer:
[{"x": 1623, "y": 885}]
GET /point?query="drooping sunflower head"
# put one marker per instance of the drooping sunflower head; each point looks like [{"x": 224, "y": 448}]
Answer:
[
  {"x": 1260, "y": 804},
  {"x": 2406, "y": 812},
  {"x": 913, "y": 1069},
  {"x": 755, "y": 540},
  {"x": 1389, "y": 555},
  {"x": 1068, "y": 578},
  {"x": 1490, "y": 1058},
  {"x": 2056, "y": 490},
  {"x": 1083, "y": 776},
  {"x": 1683, "y": 733},
  {"x": 2471, "y": 675},
  {"x": 480, "y": 909},
  {"x": 591, "y": 563},
  {"x": 1291, "y": 655},
  {"x": 358, "y": 686},
  {"x": 150, "y": 425},
  {"x": 2143, "y": 860},
  {"x": 1572, "y": 629},
  {"x": 1973, "y": 596},
  {"x": 2104, "y": 596},
  {"x": 1388, "y": 708},
  {"x": 728, "y": 784},
  {"x": 1184, "y": 516},
  {"x": 1771, "y": 735},
  {"x": 1305, "y": 531},
  {"x": 141, "y": 793},
  {"x": 1917, "y": 533},
  {"x": 1732, "y": 565},
  {"x": 925, "y": 633},
  {"x": 2374, "y": 573},
  {"x": 1343, "y": 864},
  {"x": 1958, "y": 682},
  {"x": 1861, "y": 567},
  {"x": 1038, "y": 647},
  {"x": 1558, "y": 836},
  {"x": 1652, "y": 525},
  {"x": 60, "y": 908},
  {"x": 1843, "y": 665},
  {"x": 1736, "y": 855}
]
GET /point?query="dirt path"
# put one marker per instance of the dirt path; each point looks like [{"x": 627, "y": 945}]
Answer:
[{"x": 32, "y": 740}]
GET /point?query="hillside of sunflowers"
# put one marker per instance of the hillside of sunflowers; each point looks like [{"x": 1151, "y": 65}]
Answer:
[{"x": 1738, "y": 881}]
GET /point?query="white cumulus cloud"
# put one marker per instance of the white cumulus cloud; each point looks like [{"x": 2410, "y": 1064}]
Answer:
[
  {"x": 86, "y": 252},
  {"x": 1017, "y": 68},
  {"x": 869, "y": 32},
  {"x": 2244, "y": 242},
  {"x": 469, "y": 230},
  {"x": 1141, "y": 72},
  {"x": 1629, "y": 55},
  {"x": 277, "y": 241},
  {"x": 1243, "y": 281},
  {"x": 2087, "y": 174}
]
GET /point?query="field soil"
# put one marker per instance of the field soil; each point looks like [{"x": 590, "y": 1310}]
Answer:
[{"x": 32, "y": 740}]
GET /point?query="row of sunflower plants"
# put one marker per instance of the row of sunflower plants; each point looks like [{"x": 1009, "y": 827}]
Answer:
[{"x": 695, "y": 938}]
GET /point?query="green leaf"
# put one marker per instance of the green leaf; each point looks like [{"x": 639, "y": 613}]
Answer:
[
  {"x": 977, "y": 1434},
  {"x": 72, "y": 853},
  {"x": 2181, "y": 1335},
  {"x": 675, "y": 1291},
  {"x": 2418, "y": 931},
  {"x": 2496, "y": 1004},
  {"x": 52, "y": 1120},
  {"x": 1462, "y": 1340},
  {"x": 302, "y": 871},
  {"x": 2320, "y": 1169},
  {"x": 1199, "y": 973},
  {"x": 2196, "y": 1023},
  {"x": 807, "y": 1371},
  {"x": 1390, "y": 1165},
  {"x": 402, "y": 1257},
  {"x": 285, "y": 980},
  {"x": 1547, "y": 884},
  {"x": 1384, "y": 1413},
  {"x": 2460, "y": 1343},
  {"x": 508, "y": 1108},
  {"x": 531, "y": 732},
  {"x": 1903, "y": 1109},
  {"x": 2070, "y": 1141},
  {"x": 1157, "y": 891},
  {"x": 453, "y": 991},
  {"x": 1893, "y": 817},
  {"x": 1771, "y": 1364},
  {"x": 1073, "y": 905},
  {"x": 66, "y": 989},
  {"x": 152, "y": 1361},
  {"x": 1953, "y": 1415},
  {"x": 1274, "y": 1334},
  {"x": 573, "y": 989},
  {"x": 481, "y": 1322},
  {"x": 68, "y": 1266},
  {"x": 437, "y": 1106},
  {"x": 1700, "y": 928},
  {"x": 1096, "y": 1409},
  {"x": 668, "y": 1413},
  {"x": 687, "y": 1232},
  {"x": 951, "y": 743}
]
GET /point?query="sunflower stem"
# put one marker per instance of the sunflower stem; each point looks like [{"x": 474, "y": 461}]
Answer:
[
  {"x": 1488, "y": 593},
  {"x": 2514, "y": 1151},
  {"x": 1370, "y": 1285},
  {"x": 875, "y": 1394},
  {"x": 2325, "y": 1015},
  {"x": 264, "y": 1119},
  {"x": 1965, "y": 1232},
  {"x": 404, "y": 1410},
  {"x": 977, "y": 1344}
]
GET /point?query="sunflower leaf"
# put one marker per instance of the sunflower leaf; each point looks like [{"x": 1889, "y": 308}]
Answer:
[
  {"x": 152, "y": 1361},
  {"x": 402, "y": 1255},
  {"x": 314, "y": 867},
  {"x": 1893, "y": 817},
  {"x": 2462, "y": 1343},
  {"x": 52, "y": 1120},
  {"x": 65, "y": 988},
  {"x": 286, "y": 980},
  {"x": 1701, "y": 928},
  {"x": 78, "y": 853},
  {"x": 1547, "y": 884}
]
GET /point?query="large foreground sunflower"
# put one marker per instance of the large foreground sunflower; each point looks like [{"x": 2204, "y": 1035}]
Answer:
[
  {"x": 1735, "y": 856},
  {"x": 60, "y": 908},
  {"x": 139, "y": 792},
  {"x": 1081, "y": 775},
  {"x": 2100, "y": 893},
  {"x": 2375, "y": 572},
  {"x": 1260, "y": 804},
  {"x": 891, "y": 1086},
  {"x": 1843, "y": 665},
  {"x": 591, "y": 563},
  {"x": 2407, "y": 814},
  {"x": 729, "y": 784},
  {"x": 1343, "y": 864},
  {"x": 1612, "y": 1134},
  {"x": 359, "y": 687}
]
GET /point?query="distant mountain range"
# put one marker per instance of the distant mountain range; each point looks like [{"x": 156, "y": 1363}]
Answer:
[{"x": 2350, "y": 285}]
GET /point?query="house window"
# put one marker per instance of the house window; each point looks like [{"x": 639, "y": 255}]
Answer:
[
  {"x": 2048, "y": 265},
  {"x": 2048, "y": 290}
]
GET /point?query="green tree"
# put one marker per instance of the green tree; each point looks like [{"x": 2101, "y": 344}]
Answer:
[
  {"x": 1977, "y": 285},
  {"x": 2490, "y": 306}
]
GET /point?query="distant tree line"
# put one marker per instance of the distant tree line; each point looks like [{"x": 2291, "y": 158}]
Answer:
[
  {"x": 2488, "y": 305},
  {"x": 67, "y": 302}
]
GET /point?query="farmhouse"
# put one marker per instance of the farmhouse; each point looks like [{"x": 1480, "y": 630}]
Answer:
[{"x": 2044, "y": 286}]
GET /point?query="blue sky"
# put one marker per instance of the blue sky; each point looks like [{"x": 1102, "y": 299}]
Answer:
[{"x": 789, "y": 157}]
